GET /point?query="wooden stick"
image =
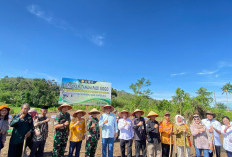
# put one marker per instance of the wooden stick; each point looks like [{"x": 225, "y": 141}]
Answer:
[
  {"x": 185, "y": 144},
  {"x": 24, "y": 147},
  {"x": 86, "y": 114},
  {"x": 214, "y": 149},
  {"x": 170, "y": 149},
  {"x": 175, "y": 147}
]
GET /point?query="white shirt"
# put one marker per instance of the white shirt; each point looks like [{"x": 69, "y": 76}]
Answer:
[
  {"x": 125, "y": 127},
  {"x": 217, "y": 125},
  {"x": 227, "y": 141}
]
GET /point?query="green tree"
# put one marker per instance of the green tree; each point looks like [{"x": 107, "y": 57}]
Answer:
[
  {"x": 204, "y": 97},
  {"x": 36, "y": 92},
  {"x": 141, "y": 90},
  {"x": 180, "y": 99},
  {"x": 221, "y": 106},
  {"x": 227, "y": 89}
]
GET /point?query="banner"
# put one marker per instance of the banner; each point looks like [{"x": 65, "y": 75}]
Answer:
[{"x": 85, "y": 92}]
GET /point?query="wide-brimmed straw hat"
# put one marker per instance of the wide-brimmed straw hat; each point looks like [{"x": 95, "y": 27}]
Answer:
[
  {"x": 94, "y": 111},
  {"x": 65, "y": 105},
  {"x": 210, "y": 113},
  {"x": 138, "y": 110},
  {"x": 112, "y": 108},
  {"x": 79, "y": 111},
  {"x": 152, "y": 114},
  {"x": 124, "y": 111},
  {"x": 4, "y": 106}
]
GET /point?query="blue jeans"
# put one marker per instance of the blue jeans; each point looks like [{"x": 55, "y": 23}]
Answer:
[
  {"x": 110, "y": 143},
  {"x": 229, "y": 154},
  {"x": 199, "y": 152},
  {"x": 74, "y": 145}
]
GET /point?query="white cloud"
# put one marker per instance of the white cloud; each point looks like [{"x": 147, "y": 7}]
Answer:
[
  {"x": 38, "y": 12},
  {"x": 98, "y": 39},
  {"x": 220, "y": 66},
  {"x": 206, "y": 72},
  {"x": 177, "y": 74},
  {"x": 35, "y": 10}
]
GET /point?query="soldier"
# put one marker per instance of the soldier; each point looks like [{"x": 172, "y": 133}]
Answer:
[
  {"x": 61, "y": 126},
  {"x": 93, "y": 133}
]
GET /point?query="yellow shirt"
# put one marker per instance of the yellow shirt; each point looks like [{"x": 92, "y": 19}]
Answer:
[
  {"x": 165, "y": 135},
  {"x": 180, "y": 135},
  {"x": 77, "y": 131}
]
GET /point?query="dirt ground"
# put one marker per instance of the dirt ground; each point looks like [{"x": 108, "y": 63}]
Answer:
[{"x": 49, "y": 145}]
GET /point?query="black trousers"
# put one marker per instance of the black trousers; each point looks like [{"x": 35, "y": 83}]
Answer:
[
  {"x": 37, "y": 149},
  {"x": 166, "y": 150},
  {"x": 15, "y": 150},
  {"x": 218, "y": 152},
  {"x": 123, "y": 143},
  {"x": 140, "y": 145}
]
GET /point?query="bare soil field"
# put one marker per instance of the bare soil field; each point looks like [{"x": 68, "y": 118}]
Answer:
[{"x": 49, "y": 145}]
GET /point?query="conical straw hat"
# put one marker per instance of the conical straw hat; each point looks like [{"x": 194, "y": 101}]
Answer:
[
  {"x": 138, "y": 110},
  {"x": 152, "y": 114},
  {"x": 103, "y": 109},
  {"x": 79, "y": 111},
  {"x": 94, "y": 110},
  {"x": 124, "y": 111},
  {"x": 65, "y": 105}
]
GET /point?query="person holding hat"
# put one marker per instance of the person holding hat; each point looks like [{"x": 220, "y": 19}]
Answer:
[
  {"x": 40, "y": 133},
  {"x": 109, "y": 130},
  {"x": 182, "y": 132},
  {"x": 227, "y": 132},
  {"x": 165, "y": 128},
  {"x": 93, "y": 133},
  {"x": 61, "y": 125},
  {"x": 4, "y": 124},
  {"x": 22, "y": 124},
  {"x": 214, "y": 128},
  {"x": 153, "y": 136},
  {"x": 126, "y": 133},
  {"x": 139, "y": 128},
  {"x": 201, "y": 137},
  {"x": 77, "y": 132}
]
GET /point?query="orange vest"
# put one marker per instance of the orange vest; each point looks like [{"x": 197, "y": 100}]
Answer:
[{"x": 165, "y": 135}]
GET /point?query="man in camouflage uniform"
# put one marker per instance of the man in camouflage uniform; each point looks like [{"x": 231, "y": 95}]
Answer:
[
  {"x": 61, "y": 126},
  {"x": 93, "y": 133}
]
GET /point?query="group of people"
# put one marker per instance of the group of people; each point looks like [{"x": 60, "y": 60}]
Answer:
[{"x": 150, "y": 136}]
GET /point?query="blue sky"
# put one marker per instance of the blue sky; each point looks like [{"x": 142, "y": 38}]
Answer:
[{"x": 184, "y": 44}]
